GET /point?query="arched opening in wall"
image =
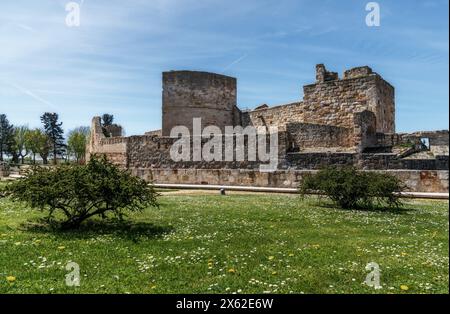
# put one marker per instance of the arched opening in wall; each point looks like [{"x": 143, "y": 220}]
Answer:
[
  {"x": 370, "y": 136},
  {"x": 371, "y": 130},
  {"x": 425, "y": 143}
]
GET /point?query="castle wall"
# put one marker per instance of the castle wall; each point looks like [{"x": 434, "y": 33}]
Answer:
[
  {"x": 382, "y": 161},
  {"x": 152, "y": 151},
  {"x": 365, "y": 134},
  {"x": 359, "y": 134},
  {"x": 154, "y": 133},
  {"x": 149, "y": 158},
  {"x": 334, "y": 102},
  {"x": 438, "y": 140},
  {"x": 115, "y": 149},
  {"x": 188, "y": 95},
  {"x": 383, "y": 105},
  {"x": 112, "y": 130},
  {"x": 392, "y": 161},
  {"x": 305, "y": 136},
  {"x": 338, "y": 122},
  {"x": 274, "y": 116},
  {"x": 316, "y": 160},
  {"x": 416, "y": 180}
]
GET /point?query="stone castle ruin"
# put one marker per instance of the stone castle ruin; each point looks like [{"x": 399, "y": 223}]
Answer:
[{"x": 340, "y": 121}]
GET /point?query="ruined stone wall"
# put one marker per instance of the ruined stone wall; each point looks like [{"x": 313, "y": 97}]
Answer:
[
  {"x": 337, "y": 123},
  {"x": 113, "y": 130},
  {"x": 311, "y": 160},
  {"x": 438, "y": 140},
  {"x": 189, "y": 94},
  {"x": 357, "y": 72},
  {"x": 274, "y": 116},
  {"x": 237, "y": 116},
  {"x": 149, "y": 158},
  {"x": 154, "y": 133},
  {"x": 115, "y": 149},
  {"x": 383, "y": 105},
  {"x": 154, "y": 152},
  {"x": 364, "y": 134},
  {"x": 306, "y": 136},
  {"x": 384, "y": 161},
  {"x": 416, "y": 180},
  {"x": 322, "y": 75},
  {"x": 361, "y": 133},
  {"x": 333, "y": 102},
  {"x": 392, "y": 161}
]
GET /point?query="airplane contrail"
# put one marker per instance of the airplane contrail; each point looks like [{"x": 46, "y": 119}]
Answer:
[
  {"x": 32, "y": 95},
  {"x": 235, "y": 62}
]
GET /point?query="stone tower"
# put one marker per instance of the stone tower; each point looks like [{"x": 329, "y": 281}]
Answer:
[
  {"x": 190, "y": 94},
  {"x": 333, "y": 101}
]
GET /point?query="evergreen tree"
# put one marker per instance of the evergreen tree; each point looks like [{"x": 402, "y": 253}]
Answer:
[
  {"x": 6, "y": 135},
  {"x": 107, "y": 119},
  {"x": 55, "y": 133}
]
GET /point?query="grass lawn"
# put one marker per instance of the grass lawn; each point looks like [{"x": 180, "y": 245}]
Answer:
[{"x": 235, "y": 243}]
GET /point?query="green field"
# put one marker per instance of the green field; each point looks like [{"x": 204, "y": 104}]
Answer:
[{"x": 231, "y": 244}]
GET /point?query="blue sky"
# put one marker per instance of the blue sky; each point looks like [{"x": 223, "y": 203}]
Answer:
[{"x": 113, "y": 61}]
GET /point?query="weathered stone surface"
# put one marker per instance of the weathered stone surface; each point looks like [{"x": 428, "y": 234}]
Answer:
[
  {"x": 365, "y": 134},
  {"x": 336, "y": 101},
  {"x": 189, "y": 94},
  {"x": 391, "y": 161},
  {"x": 154, "y": 133},
  {"x": 305, "y": 136},
  {"x": 358, "y": 72},
  {"x": 417, "y": 181},
  {"x": 348, "y": 121},
  {"x": 322, "y": 75},
  {"x": 112, "y": 130}
]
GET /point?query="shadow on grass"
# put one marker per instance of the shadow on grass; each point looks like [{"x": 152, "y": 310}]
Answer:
[
  {"x": 374, "y": 208},
  {"x": 134, "y": 231}
]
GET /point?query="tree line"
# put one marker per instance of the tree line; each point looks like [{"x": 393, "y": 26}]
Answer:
[{"x": 18, "y": 142}]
